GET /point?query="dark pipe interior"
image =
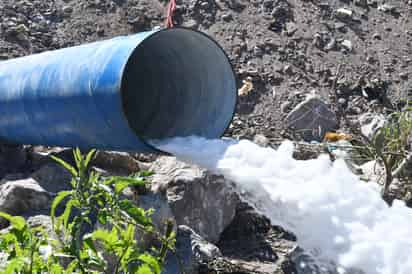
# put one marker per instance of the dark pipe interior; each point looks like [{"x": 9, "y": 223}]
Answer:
[{"x": 178, "y": 83}]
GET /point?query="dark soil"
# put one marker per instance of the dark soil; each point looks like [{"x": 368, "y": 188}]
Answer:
[{"x": 288, "y": 47}]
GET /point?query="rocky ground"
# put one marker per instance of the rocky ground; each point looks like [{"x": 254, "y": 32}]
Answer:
[{"x": 356, "y": 55}]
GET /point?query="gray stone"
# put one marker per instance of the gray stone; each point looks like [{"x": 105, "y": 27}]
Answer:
[
  {"x": 261, "y": 140},
  {"x": 346, "y": 44},
  {"x": 370, "y": 123},
  {"x": 12, "y": 158},
  {"x": 227, "y": 17},
  {"x": 387, "y": 8},
  {"x": 23, "y": 196},
  {"x": 120, "y": 163},
  {"x": 53, "y": 177},
  {"x": 361, "y": 3},
  {"x": 344, "y": 14},
  {"x": 285, "y": 105},
  {"x": 312, "y": 119},
  {"x": 191, "y": 250},
  {"x": 43, "y": 221},
  {"x": 198, "y": 199},
  {"x": 67, "y": 10},
  {"x": 252, "y": 238},
  {"x": 191, "y": 24}
]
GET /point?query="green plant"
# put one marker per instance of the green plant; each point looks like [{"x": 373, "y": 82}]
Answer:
[
  {"x": 93, "y": 201},
  {"x": 26, "y": 248},
  {"x": 390, "y": 146}
]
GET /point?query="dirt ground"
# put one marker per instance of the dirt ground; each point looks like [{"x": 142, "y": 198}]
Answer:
[{"x": 289, "y": 47}]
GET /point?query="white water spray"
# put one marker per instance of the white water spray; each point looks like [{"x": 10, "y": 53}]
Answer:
[{"x": 333, "y": 214}]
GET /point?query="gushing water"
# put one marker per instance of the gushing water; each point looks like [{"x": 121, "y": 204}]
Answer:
[{"x": 334, "y": 215}]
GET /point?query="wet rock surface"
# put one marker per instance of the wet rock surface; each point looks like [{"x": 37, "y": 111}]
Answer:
[{"x": 196, "y": 197}]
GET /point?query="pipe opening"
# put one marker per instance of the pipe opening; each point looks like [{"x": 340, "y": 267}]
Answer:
[{"x": 178, "y": 83}]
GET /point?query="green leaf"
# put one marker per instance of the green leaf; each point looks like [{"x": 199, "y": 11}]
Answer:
[
  {"x": 72, "y": 266},
  {"x": 120, "y": 186},
  {"x": 102, "y": 217},
  {"x": 67, "y": 166},
  {"x": 88, "y": 241},
  {"x": 16, "y": 221},
  {"x": 151, "y": 261},
  {"x": 14, "y": 266},
  {"x": 145, "y": 173},
  {"x": 66, "y": 213},
  {"x": 77, "y": 157},
  {"x": 89, "y": 157},
  {"x": 56, "y": 269},
  {"x": 59, "y": 198},
  {"x": 109, "y": 238},
  {"x": 137, "y": 213},
  {"x": 144, "y": 269}
]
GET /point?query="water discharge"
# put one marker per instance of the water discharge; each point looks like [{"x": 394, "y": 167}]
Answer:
[{"x": 334, "y": 215}]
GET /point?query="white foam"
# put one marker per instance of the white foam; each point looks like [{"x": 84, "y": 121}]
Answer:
[{"x": 333, "y": 214}]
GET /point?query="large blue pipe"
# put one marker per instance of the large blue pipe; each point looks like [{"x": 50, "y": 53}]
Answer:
[{"x": 119, "y": 94}]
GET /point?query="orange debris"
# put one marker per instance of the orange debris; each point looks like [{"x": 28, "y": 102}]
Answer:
[{"x": 335, "y": 137}]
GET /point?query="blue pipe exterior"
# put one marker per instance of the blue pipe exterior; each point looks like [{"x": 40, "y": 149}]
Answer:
[{"x": 120, "y": 93}]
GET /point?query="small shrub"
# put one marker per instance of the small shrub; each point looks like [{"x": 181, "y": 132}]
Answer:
[
  {"x": 391, "y": 147},
  {"x": 92, "y": 199}
]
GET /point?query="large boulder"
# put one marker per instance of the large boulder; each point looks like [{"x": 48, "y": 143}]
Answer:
[
  {"x": 191, "y": 252},
  {"x": 120, "y": 163},
  {"x": 203, "y": 201},
  {"x": 252, "y": 242},
  {"x": 23, "y": 197},
  {"x": 53, "y": 177},
  {"x": 18, "y": 197},
  {"x": 370, "y": 123},
  {"x": 312, "y": 119},
  {"x": 13, "y": 158}
]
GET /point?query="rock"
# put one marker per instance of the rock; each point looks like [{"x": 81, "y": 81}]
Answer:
[
  {"x": 120, "y": 163},
  {"x": 376, "y": 36},
  {"x": 67, "y": 10},
  {"x": 251, "y": 237},
  {"x": 387, "y": 8},
  {"x": 227, "y": 17},
  {"x": 261, "y": 140},
  {"x": 44, "y": 221},
  {"x": 403, "y": 75},
  {"x": 331, "y": 45},
  {"x": 344, "y": 14},
  {"x": 196, "y": 197},
  {"x": 13, "y": 159},
  {"x": 287, "y": 69},
  {"x": 340, "y": 26},
  {"x": 312, "y": 119},
  {"x": 346, "y": 44},
  {"x": 361, "y": 3},
  {"x": 53, "y": 178},
  {"x": 191, "y": 24},
  {"x": 370, "y": 123},
  {"x": 192, "y": 250},
  {"x": 285, "y": 105},
  {"x": 23, "y": 196},
  {"x": 291, "y": 28}
]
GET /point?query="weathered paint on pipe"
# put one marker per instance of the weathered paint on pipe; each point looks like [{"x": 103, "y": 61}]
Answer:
[{"x": 119, "y": 94}]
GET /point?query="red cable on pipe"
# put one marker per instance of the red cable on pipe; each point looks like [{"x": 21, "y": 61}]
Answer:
[{"x": 171, "y": 7}]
